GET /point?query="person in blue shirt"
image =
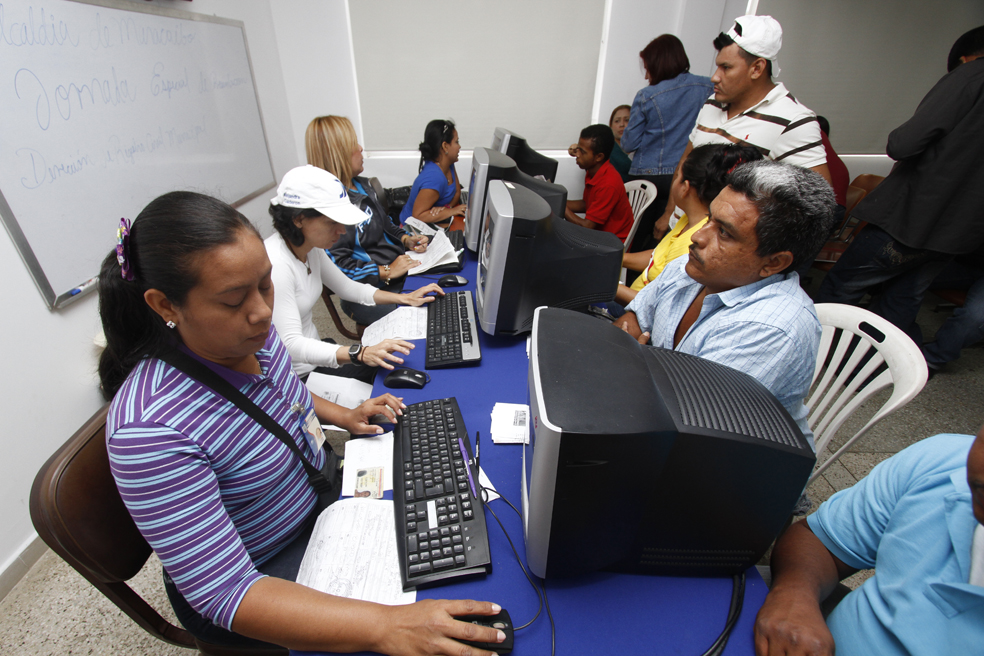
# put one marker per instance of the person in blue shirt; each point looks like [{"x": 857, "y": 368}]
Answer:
[
  {"x": 662, "y": 117},
  {"x": 916, "y": 519},
  {"x": 436, "y": 193},
  {"x": 736, "y": 299}
]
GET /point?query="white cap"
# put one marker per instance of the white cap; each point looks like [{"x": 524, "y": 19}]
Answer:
[
  {"x": 760, "y": 36},
  {"x": 310, "y": 187}
]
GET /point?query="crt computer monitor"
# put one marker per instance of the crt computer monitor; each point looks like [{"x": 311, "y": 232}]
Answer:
[
  {"x": 528, "y": 160},
  {"x": 528, "y": 257},
  {"x": 488, "y": 165},
  {"x": 648, "y": 460}
]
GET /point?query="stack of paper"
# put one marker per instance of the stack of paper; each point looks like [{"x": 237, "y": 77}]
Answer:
[
  {"x": 419, "y": 226},
  {"x": 439, "y": 252},
  {"x": 510, "y": 423},
  {"x": 352, "y": 553},
  {"x": 401, "y": 323}
]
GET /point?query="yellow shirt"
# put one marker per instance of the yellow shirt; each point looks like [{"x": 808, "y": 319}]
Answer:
[{"x": 673, "y": 245}]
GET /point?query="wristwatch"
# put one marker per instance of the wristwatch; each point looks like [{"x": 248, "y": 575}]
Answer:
[{"x": 354, "y": 352}]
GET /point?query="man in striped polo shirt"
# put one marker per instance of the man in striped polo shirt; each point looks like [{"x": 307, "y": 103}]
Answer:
[{"x": 749, "y": 109}]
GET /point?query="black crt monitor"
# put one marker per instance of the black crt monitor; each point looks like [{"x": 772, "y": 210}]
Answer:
[
  {"x": 650, "y": 461},
  {"x": 528, "y": 160},
  {"x": 488, "y": 165},
  {"x": 529, "y": 257}
]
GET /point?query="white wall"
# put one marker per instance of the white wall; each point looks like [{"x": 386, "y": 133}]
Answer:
[{"x": 49, "y": 382}]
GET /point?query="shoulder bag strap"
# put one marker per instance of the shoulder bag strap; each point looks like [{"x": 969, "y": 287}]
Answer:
[{"x": 197, "y": 370}]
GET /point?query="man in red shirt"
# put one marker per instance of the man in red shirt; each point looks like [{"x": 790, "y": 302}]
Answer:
[{"x": 605, "y": 204}]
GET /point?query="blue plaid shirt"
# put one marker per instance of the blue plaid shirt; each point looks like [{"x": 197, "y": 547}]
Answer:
[{"x": 768, "y": 330}]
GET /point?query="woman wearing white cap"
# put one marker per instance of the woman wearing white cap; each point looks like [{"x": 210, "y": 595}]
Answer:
[{"x": 310, "y": 212}]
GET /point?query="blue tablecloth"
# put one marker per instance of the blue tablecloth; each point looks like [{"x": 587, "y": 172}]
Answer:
[{"x": 601, "y": 613}]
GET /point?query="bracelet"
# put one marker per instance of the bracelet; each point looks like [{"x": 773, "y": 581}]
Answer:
[
  {"x": 358, "y": 357},
  {"x": 386, "y": 280}
]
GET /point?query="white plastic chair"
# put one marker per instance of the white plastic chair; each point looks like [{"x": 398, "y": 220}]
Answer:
[
  {"x": 839, "y": 392},
  {"x": 641, "y": 193}
]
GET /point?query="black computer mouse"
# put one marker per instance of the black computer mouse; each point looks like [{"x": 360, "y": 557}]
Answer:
[
  {"x": 452, "y": 280},
  {"x": 502, "y": 622},
  {"x": 406, "y": 379}
]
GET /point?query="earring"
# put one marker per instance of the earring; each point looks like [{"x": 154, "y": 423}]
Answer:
[{"x": 171, "y": 325}]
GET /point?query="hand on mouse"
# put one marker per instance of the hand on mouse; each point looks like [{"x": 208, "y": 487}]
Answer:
[
  {"x": 356, "y": 420},
  {"x": 420, "y": 296},
  {"x": 429, "y": 627},
  {"x": 381, "y": 354}
]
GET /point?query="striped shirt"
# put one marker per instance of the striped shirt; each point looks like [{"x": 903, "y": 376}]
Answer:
[
  {"x": 768, "y": 330},
  {"x": 778, "y": 125},
  {"x": 211, "y": 491}
]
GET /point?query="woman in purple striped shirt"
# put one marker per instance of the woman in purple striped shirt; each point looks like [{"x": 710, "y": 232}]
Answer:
[{"x": 225, "y": 504}]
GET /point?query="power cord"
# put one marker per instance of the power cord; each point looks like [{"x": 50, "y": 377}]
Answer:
[
  {"x": 734, "y": 612},
  {"x": 541, "y": 590},
  {"x": 716, "y": 649}
]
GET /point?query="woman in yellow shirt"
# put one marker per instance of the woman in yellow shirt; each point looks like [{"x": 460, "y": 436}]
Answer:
[{"x": 695, "y": 184}]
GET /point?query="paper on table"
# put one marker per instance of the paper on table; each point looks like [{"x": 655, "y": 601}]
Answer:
[
  {"x": 510, "y": 423},
  {"x": 368, "y": 452},
  {"x": 346, "y": 392},
  {"x": 414, "y": 223},
  {"x": 352, "y": 553},
  {"x": 402, "y": 323},
  {"x": 483, "y": 480},
  {"x": 439, "y": 252}
]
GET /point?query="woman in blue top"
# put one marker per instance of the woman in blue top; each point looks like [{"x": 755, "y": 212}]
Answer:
[
  {"x": 662, "y": 117},
  {"x": 436, "y": 193}
]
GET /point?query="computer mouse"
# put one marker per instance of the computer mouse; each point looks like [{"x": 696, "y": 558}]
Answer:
[
  {"x": 452, "y": 280},
  {"x": 406, "y": 379},
  {"x": 502, "y": 622}
]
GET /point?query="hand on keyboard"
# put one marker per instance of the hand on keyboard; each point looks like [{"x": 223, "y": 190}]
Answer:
[
  {"x": 418, "y": 297},
  {"x": 381, "y": 354}
]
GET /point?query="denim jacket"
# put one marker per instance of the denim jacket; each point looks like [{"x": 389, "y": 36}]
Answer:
[{"x": 662, "y": 117}]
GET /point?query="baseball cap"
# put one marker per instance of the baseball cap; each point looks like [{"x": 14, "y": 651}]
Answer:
[
  {"x": 760, "y": 36},
  {"x": 310, "y": 187}
]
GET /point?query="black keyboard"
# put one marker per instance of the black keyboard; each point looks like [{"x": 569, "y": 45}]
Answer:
[
  {"x": 457, "y": 238},
  {"x": 440, "y": 524},
  {"x": 452, "y": 331}
]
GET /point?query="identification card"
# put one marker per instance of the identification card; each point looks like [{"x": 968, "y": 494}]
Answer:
[
  {"x": 369, "y": 483},
  {"x": 312, "y": 430}
]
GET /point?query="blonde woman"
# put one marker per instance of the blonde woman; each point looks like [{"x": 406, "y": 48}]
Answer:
[{"x": 374, "y": 251}]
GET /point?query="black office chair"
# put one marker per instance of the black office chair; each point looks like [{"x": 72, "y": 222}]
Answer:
[{"x": 78, "y": 512}]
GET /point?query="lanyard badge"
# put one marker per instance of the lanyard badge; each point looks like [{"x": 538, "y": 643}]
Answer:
[{"x": 310, "y": 426}]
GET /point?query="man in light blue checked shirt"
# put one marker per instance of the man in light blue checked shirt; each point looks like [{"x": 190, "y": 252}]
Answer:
[{"x": 737, "y": 300}]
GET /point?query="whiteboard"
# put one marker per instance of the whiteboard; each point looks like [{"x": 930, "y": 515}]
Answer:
[{"x": 103, "y": 109}]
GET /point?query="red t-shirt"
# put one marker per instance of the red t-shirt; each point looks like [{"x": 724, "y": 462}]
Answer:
[
  {"x": 839, "y": 176},
  {"x": 606, "y": 202}
]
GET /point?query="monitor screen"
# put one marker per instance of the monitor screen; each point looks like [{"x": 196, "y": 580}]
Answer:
[
  {"x": 648, "y": 460},
  {"x": 488, "y": 165},
  {"x": 528, "y": 160},
  {"x": 529, "y": 257}
]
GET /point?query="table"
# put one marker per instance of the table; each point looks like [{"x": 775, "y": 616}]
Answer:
[{"x": 601, "y": 613}]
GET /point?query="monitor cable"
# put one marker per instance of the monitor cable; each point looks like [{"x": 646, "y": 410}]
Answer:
[
  {"x": 541, "y": 591},
  {"x": 734, "y": 612}
]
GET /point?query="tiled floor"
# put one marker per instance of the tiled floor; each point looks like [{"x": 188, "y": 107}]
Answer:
[{"x": 55, "y": 611}]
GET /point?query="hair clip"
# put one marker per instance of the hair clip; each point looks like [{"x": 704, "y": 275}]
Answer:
[
  {"x": 736, "y": 165},
  {"x": 123, "y": 249}
]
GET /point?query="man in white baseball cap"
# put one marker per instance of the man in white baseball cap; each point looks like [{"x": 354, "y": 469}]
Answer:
[{"x": 749, "y": 108}]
